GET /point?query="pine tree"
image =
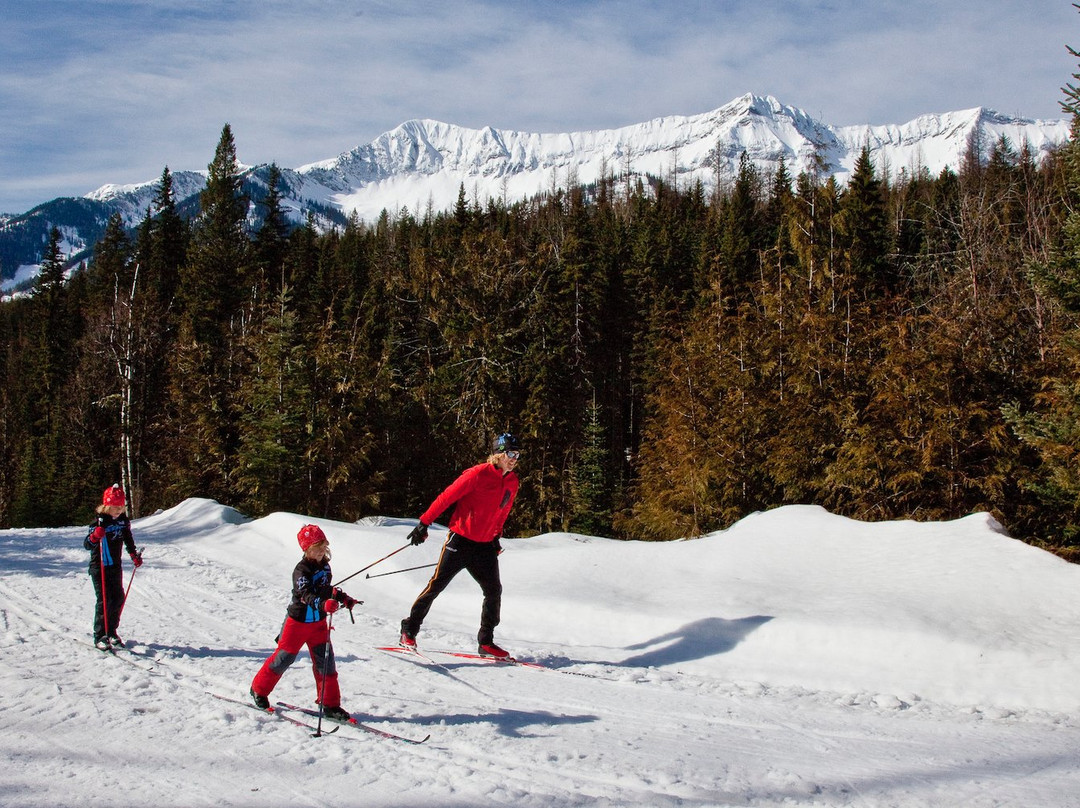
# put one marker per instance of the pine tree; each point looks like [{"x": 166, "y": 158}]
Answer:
[
  {"x": 50, "y": 281},
  {"x": 271, "y": 240},
  {"x": 865, "y": 226},
  {"x": 740, "y": 234},
  {"x": 207, "y": 367},
  {"x": 213, "y": 282},
  {"x": 169, "y": 239},
  {"x": 50, "y": 297},
  {"x": 591, "y": 482}
]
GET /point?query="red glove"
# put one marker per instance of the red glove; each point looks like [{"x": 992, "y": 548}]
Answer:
[
  {"x": 136, "y": 558},
  {"x": 330, "y": 606},
  {"x": 98, "y": 534}
]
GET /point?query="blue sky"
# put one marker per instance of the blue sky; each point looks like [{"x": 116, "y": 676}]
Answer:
[{"x": 100, "y": 91}]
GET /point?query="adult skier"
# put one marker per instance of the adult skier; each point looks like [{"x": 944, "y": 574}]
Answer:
[{"x": 482, "y": 497}]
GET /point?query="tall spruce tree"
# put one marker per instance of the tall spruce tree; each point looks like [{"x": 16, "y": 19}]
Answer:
[
  {"x": 591, "y": 481},
  {"x": 206, "y": 372},
  {"x": 865, "y": 224},
  {"x": 271, "y": 241},
  {"x": 212, "y": 284},
  {"x": 170, "y": 236},
  {"x": 740, "y": 237}
]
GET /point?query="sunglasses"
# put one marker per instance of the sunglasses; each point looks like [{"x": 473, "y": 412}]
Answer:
[{"x": 513, "y": 455}]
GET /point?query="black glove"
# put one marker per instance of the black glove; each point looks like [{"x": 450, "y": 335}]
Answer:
[
  {"x": 345, "y": 600},
  {"x": 418, "y": 534}
]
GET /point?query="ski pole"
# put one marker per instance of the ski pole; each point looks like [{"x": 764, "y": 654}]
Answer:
[
  {"x": 395, "y": 572},
  {"x": 325, "y": 667},
  {"x": 131, "y": 580},
  {"x": 104, "y": 593},
  {"x": 372, "y": 564}
]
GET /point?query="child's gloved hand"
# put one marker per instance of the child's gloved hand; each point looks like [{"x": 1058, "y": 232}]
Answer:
[
  {"x": 330, "y": 606},
  {"x": 136, "y": 558},
  {"x": 345, "y": 600},
  {"x": 98, "y": 534}
]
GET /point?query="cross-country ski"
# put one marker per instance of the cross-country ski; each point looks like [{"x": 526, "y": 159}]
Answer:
[{"x": 352, "y": 721}]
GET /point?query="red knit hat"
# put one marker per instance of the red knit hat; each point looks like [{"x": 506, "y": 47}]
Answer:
[
  {"x": 309, "y": 535},
  {"x": 113, "y": 496}
]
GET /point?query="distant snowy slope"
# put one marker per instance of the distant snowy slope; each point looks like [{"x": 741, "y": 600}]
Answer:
[{"x": 936, "y": 142}]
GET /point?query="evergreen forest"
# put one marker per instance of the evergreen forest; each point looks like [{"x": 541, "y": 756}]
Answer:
[{"x": 672, "y": 358}]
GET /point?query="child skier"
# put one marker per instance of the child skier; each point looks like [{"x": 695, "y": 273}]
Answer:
[
  {"x": 110, "y": 530},
  {"x": 313, "y": 598}
]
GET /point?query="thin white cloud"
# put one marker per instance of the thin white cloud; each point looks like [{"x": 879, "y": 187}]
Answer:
[{"x": 103, "y": 91}]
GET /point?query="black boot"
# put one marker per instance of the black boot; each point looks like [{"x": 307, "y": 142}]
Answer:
[
  {"x": 407, "y": 638},
  {"x": 335, "y": 714}
]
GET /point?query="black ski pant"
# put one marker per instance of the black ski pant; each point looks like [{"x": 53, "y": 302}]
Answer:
[
  {"x": 481, "y": 559},
  {"x": 110, "y": 599}
]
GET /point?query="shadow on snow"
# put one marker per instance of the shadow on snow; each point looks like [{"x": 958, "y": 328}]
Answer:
[{"x": 698, "y": 640}]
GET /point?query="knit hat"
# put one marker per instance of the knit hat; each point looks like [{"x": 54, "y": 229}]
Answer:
[
  {"x": 113, "y": 496},
  {"x": 505, "y": 443},
  {"x": 309, "y": 535}
]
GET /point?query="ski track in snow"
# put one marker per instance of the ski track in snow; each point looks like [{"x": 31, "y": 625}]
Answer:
[{"x": 83, "y": 727}]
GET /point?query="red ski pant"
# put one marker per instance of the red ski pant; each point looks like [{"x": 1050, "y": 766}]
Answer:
[{"x": 294, "y": 636}]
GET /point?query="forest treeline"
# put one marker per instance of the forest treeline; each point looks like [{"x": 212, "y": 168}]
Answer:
[{"x": 672, "y": 359}]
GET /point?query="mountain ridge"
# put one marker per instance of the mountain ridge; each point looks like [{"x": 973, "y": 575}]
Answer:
[{"x": 422, "y": 163}]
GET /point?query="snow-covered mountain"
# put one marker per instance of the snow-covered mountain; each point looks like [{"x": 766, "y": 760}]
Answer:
[
  {"x": 132, "y": 201},
  {"x": 422, "y": 164}
]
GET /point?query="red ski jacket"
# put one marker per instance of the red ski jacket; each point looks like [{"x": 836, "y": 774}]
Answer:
[{"x": 482, "y": 497}]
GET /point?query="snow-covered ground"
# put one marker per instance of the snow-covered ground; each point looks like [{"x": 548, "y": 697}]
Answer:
[{"x": 798, "y": 658}]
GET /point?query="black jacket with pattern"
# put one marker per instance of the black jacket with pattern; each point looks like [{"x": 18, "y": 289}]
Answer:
[
  {"x": 311, "y": 587},
  {"x": 108, "y": 551}
]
